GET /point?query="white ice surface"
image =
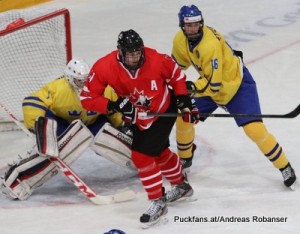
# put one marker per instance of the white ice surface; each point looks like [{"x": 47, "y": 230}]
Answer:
[{"x": 230, "y": 176}]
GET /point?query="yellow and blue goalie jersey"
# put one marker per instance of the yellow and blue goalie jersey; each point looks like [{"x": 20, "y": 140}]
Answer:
[
  {"x": 62, "y": 100},
  {"x": 220, "y": 70}
]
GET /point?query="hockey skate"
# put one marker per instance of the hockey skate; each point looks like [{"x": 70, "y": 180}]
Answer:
[
  {"x": 289, "y": 176},
  {"x": 186, "y": 163},
  {"x": 179, "y": 192},
  {"x": 155, "y": 213}
]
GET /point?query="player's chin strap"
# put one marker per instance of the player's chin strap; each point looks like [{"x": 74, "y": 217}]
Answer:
[{"x": 47, "y": 146}]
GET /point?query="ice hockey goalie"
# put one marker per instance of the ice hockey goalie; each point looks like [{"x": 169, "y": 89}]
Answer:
[{"x": 31, "y": 172}]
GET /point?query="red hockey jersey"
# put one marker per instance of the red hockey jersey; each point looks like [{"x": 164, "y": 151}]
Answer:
[{"x": 148, "y": 89}]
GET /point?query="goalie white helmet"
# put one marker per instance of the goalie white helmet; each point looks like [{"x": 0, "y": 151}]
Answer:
[{"x": 76, "y": 73}]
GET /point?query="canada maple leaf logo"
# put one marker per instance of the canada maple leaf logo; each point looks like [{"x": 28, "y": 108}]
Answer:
[{"x": 140, "y": 99}]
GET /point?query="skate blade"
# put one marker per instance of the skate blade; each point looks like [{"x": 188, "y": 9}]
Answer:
[
  {"x": 294, "y": 186},
  {"x": 191, "y": 199},
  {"x": 161, "y": 221},
  {"x": 186, "y": 171},
  {"x": 183, "y": 199}
]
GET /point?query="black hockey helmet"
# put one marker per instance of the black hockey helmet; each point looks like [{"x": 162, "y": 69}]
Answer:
[{"x": 130, "y": 41}]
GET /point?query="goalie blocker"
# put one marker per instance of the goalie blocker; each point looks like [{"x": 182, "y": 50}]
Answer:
[{"x": 24, "y": 176}]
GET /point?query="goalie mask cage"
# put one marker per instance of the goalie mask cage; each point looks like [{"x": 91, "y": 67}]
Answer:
[{"x": 35, "y": 46}]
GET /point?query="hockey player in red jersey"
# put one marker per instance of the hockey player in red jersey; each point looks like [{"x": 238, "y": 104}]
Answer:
[{"x": 142, "y": 78}]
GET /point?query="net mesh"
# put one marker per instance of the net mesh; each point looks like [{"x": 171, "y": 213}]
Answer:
[{"x": 30, "y": 56}]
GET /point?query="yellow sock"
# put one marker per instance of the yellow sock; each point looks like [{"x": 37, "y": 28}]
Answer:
[
  {"x": 267, "y": 143},
  {"x": 185, "y": 133}
]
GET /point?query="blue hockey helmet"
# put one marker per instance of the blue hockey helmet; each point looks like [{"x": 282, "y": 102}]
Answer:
[
  {"x": 189, "y": 14},
  {"x": 115, "y": 231}
]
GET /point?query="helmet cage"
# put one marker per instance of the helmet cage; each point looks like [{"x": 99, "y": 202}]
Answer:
[
  {"x": 130, "y": 41},
  {"x": 76, "y": 73}
]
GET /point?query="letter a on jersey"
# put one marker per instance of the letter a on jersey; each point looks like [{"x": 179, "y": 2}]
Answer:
[{"x": 153, "y": 85}]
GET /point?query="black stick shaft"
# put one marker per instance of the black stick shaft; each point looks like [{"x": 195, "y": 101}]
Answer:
[{"x": 291, "y": 114}]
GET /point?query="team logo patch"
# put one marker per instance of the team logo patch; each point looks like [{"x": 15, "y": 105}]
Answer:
[{"x": 140, "y": 99}]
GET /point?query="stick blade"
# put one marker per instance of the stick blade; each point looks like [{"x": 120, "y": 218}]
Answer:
[
  {"x": 294, "y": 113},
  {"x": 110, "y": 199}
]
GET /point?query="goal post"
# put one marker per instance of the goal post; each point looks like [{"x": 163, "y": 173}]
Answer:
[{"x": 35, "y": 46}]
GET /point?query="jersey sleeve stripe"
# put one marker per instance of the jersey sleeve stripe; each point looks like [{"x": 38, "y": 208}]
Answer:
[
  {"x": 35, "y": 105},
  {"x": 32, "y": 98}
]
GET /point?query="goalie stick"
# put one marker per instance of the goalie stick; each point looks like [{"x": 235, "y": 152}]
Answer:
[
  {"x": 294, "y": 113},
  {"x": 72, "y": 176}
]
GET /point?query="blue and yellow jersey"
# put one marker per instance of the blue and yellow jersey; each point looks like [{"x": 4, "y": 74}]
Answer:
[
  {"x": 62, "y": 100},
  {"x": 219, "y": 69}
]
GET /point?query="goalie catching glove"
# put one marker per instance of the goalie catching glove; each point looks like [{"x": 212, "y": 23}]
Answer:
[
  {"x": 187, "y": 107},
  {"x": 124, "y": 106}
]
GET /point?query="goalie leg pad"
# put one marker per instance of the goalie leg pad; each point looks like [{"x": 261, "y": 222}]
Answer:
[
  {"x": 46, "y": 140},
  {"x": 74, "y": 140},
  {"x": 24, "y": 176},
  {"x": 114, "y": 145}
]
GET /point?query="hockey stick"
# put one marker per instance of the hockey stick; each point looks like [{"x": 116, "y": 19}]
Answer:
[
  {"x": 72, "y": 176},
  {"x": 291, "y": 114},
  {"x": 86, "y": 190}
]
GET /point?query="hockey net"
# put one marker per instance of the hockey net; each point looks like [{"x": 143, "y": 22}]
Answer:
[{"x": 35, "y": 46}]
